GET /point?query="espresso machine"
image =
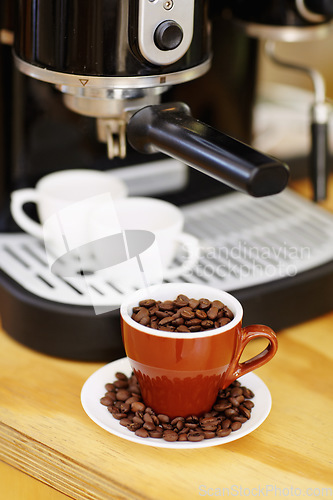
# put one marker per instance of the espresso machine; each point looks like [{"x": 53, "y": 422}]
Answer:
[{"x": 123, "y": 86}]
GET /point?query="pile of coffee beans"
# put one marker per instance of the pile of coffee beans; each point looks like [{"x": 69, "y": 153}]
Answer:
[
  {"x": 231, "y": 409},
  {"x": 182, "y": 314}
]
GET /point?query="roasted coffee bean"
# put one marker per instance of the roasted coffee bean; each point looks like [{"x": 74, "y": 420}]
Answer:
[
  {"x": 200, "y": 314},
  {"x": 212, "y": 313},
  {"x": 167, "y": 305},
  {"x": 207, "y": 323},
  {"x": 181, "y": 301},
  {"x": 133, "y": 426},
  {"x": 227, "y": 312},
  {"x": 236, "y": 391},
  {"x": 161, "y": 314},
  {"x": 132, "y": 399},
  {"x": 110, "y": 387},
  {"x": 204, "y": 303},
  {"x": 187, "y": 314},
  {"x": 195, "y": 436},
  {"x": 143, "y": 433},
  {"x": 106, "y": 401},
  {"x": 164, "y": 419},
  {"x": 223, "y": 432},
  {"x": 178, "y": 322},
  {"x": 138, "y": 420},
  {"x": 182, "y": 329},
  {"x": 230, "y": 412},
  {"x": 125, "y": 422},
  {"x": 122, "y": 395},
  {"x": 221, "y": 322},
  {"x": 119, "y": 384},
  {"x": 149, "y": 426},
  {"x": 245, "y": 411},
  {"x": 194, "y": 328},
  {"x": 247, "y": 393},
  {"x": 166, "y": 320},
  {"x": 147, "y": 303},
  {"x": 138, "y": 406},
  {"x": 226, "y": 423},
  {"x": 193, "y": 303},
  {"x": 239, "y": 419},
  {"x": 231, "y": 409},
  {"x": 222, "y": 405},
  {"x": 169, "y": 435},
  {"x": 156, "y": 433},
  {"x": 218, "y": 304}
]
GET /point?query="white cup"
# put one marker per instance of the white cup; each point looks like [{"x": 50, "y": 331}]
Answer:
[
  {"x": 64, "y": 200},
  {"x": 152, "y": 230}
]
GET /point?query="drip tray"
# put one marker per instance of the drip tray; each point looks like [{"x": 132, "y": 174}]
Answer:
[{"x": 274, "y": 254}]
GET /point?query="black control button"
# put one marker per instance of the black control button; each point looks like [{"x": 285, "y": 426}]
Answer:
[{"x": 168, "y": 35}]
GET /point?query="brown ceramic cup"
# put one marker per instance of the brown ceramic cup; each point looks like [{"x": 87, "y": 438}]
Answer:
[{"x": 180, "y": 374}]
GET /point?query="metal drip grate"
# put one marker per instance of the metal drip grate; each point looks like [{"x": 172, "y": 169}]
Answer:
[{"x": 244, "y": 242}]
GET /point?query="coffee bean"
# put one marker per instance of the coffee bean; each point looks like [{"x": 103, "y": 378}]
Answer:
[
  {"x": 110, "y": 387},
  {"x": 182, "y": 437},
  {"x": 120, "y": 384},
  {"x": 167, "y": 305},
  {"x": 247, "y": 393},
  {"x": 106, "y": 401},
  {"x": 182, "y": 329},
  {"x": 200, "y": 314},
  {"x": 125, "y": 422},
  {"x": 121, "y": 376},
  {"x": 235, "y": 426},
  {"x": 223, "y": 432},
  {"x": 218, "y": 304},
  {"x": 248, "y": 404},
  {"x": 122, "y": 395},
  {"x": 227, "y": 312},
  {"x": 226, "y": 423},
  {"x": 169, "y": 435},
  {"x": 147, "y": 303},
  {"x": 195, "y": 436},
  {"x": 164, "y": 419},
  {"x": 187, "y": 314},
  {"x": 156, "y": 433},
  {"x": 149, "y": 426},
  {"x": 193, "y": 303},
  {"x": 143, "y": 433},
  {"x": 212, "y": 313},
  {"x": 138, "y": 406}
]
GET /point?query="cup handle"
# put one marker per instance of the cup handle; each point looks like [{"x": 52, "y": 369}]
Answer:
[
  {"x": 18, "y": 199},
  {"x": 192, "y": 246},
  {"x": 249, "y": 333}
]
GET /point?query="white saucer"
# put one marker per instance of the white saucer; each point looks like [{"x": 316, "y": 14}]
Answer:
[{"x": 94, "y": 389}]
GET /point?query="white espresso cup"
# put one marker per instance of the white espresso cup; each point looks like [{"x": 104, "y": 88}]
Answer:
[
  {"x": 60, "y": 189},
  {"x": 152, "y": 232}
]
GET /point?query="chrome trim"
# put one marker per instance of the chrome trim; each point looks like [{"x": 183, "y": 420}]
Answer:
[
  {"x": 285, "y": 33},
  {"x": 307, "y": 14},
  {"x": 120, "y": 82}
]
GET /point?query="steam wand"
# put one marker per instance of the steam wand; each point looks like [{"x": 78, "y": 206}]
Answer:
[
  {"x": 170, "y": 128},
  {"x": 319, "y": 124}
]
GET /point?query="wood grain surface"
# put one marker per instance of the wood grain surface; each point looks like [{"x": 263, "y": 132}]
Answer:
[{"x": 45, "y": 433}]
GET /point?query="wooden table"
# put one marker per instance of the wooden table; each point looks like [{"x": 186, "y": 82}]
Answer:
[{"x": 45, "y": 433}]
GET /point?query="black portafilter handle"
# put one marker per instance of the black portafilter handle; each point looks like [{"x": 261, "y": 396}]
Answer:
[{"x": 170, "y": 129}]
